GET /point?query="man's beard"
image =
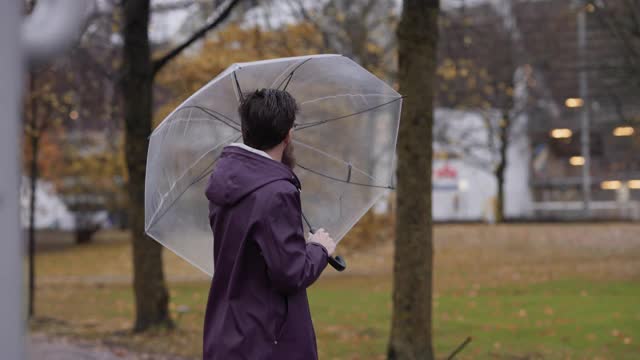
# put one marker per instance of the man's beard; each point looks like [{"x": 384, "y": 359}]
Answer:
[{"x": 288, "y": 156}]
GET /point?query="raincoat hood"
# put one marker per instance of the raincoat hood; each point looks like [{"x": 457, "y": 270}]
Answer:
[{"x": 240, "y": 172}]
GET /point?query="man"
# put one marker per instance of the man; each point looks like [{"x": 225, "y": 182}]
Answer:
[{"x": 258, "y": 307}]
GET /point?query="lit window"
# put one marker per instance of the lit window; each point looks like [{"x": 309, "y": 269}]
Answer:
[
  {"x": 561, "y": 133},
  {"x": 623, "y": 131},
  {"x": 611, "y": 185},
  {"x": 576, "y": 160},
  {"x": 573, "y": 102}
]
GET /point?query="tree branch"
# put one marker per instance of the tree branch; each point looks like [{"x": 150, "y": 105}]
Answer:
[
  {"x": 176, "y": 5},
  {"x": 223, "y": 13},
  {"x": 97, "y": 66}
]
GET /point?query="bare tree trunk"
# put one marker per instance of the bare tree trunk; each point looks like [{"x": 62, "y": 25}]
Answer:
[
  {"x": 152, "y": 297},
  {"x": 503, "y": 134},
  {"x": 34, "y": 138},
  {"x": 33, "y": 180},
  {"x": 85, "y": 235},
  {"x": 411, "y": 331}
]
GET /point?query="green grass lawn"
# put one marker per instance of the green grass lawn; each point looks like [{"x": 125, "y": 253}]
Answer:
[
  {"x": 552, "y": 320},
  {"x": 552, "y": 292}
]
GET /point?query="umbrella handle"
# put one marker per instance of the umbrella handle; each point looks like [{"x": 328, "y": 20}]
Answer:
[{"x": 338, "y": 263}]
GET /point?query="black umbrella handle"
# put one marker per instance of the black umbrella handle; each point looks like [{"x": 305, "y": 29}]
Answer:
[{"x": 338, "y": 263}]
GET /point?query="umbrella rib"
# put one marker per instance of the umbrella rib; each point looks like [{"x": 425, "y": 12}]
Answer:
[
  {"x": 333, "y": 158},
  {"x": 311, "y": 229},
  {"x": 364, "y": 95},
  {"x": 290, "y": 76},
  {"x": 235, "y": 77},
  {"x": 344, "y": 181},
  {"x": 312, "y": 124},
  {"x": 213, "y": 111},
  {"x": 156, "y": 216},
  {"x": 216, "y": 115}
]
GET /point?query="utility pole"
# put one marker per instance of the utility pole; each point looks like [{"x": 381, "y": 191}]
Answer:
[
  {"x": 40, "y": 36},
  {"x": 11, "y": 312},
  {"x": 585, "y": 119}
]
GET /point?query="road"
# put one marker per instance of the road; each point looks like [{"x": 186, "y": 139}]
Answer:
[{"x": 40, "y": 347}]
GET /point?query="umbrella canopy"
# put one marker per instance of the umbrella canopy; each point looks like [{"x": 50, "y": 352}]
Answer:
[{"x": 344, "y": 139}]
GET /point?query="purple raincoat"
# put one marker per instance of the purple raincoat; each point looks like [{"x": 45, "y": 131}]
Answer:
[{"x": 258, "y": 307}]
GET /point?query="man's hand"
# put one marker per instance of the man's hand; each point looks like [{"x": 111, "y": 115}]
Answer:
[{"x": 322, "y": 237}]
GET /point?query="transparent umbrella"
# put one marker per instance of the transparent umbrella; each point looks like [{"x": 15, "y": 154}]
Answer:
[{"x": 344, "y": 139}]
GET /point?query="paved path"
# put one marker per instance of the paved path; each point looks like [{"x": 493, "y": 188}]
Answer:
[{"x": 39, "y": 347}]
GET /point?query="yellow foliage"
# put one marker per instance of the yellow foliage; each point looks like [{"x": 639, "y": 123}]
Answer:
[
  {"x": 447, "y": 70},
  {"x": 92, "y": 168}
]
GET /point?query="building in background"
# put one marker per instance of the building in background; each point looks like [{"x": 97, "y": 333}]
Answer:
[
  {"x": 51, "y": 212},
  {"x": 613, "y": 111},
  {"x": 541, "y": 38},
  {"x": 465, "y": 186}
]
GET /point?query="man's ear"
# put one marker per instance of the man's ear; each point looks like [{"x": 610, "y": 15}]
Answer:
[{"x": 289, "y": 137}]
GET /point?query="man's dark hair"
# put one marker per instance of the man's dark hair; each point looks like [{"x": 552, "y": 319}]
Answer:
[{"x": 267, "y": 115}]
